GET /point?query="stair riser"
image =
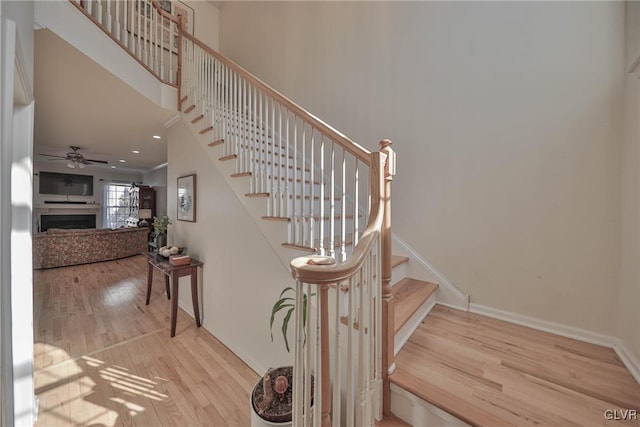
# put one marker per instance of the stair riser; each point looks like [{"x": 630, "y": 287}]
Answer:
[
  {"x": 398, "y": 273},
  {"x": 417, "y": 412}
]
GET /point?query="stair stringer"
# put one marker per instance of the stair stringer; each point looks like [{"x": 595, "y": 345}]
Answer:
[{"x": 447, "y": 294}]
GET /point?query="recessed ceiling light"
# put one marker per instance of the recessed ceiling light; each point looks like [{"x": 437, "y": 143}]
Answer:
[
  {"x": 122, "y": 161},
  {"x": 135, "y": 152},
  {"x": 156, "y": 136},
  {"x": 113, "y": 167}
]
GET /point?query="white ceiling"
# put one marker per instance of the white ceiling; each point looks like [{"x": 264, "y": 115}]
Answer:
[{"x": 77, "y": 102}]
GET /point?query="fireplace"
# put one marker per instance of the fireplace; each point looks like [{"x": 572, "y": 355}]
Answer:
[{"x": 67, "y": 221}]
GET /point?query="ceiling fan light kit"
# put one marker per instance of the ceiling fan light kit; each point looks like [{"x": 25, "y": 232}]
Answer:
[
  {"x": 75, "y": 159},
  {"x": 72, "y": 164}
]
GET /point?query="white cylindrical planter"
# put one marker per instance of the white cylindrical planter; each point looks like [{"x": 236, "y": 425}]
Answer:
[{"x": 257, "y": 421}]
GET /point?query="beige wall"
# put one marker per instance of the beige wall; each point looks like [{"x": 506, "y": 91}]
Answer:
[
  {"x": 242, "y": 275},
  {"x": 507, "y": 120},
  {"x": 206, "y": 22},
  {"x": 629, "y": 295}
]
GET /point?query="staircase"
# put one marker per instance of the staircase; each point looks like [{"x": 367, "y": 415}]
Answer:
[{"x": 317, "y": 192}]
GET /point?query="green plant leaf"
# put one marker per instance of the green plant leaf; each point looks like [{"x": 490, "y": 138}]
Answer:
[
  {"x": 279, "y": 305},
  {"x": 285, "y": 326},
  {"x": 288, "y": 288}
]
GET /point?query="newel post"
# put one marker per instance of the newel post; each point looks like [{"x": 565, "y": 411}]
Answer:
[{"x": 387, "y": 300}]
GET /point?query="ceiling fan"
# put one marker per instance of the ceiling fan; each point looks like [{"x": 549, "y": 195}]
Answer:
[{"x": 75, "y": 159}]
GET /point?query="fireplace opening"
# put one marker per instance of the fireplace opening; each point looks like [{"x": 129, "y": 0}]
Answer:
[{"x": 67, "y": 221}]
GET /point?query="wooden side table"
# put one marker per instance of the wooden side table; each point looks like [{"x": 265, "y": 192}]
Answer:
[{"x": 174, "y": 272}]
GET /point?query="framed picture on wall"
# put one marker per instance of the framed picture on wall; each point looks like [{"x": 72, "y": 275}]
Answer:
[
  {"x": 165, "y": 5},
  {"x": 187, "y": 198}
]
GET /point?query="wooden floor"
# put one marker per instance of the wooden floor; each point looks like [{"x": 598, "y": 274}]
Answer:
[
  {"x": 103, "y": 358},
  {"x": 492, "y": 373}
]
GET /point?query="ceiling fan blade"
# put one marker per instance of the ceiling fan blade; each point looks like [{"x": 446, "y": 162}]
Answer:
[
  {"x": 53, "y": 155},
  {"x": 57, "y": 160},
  {"x": 97, "y": 161}
]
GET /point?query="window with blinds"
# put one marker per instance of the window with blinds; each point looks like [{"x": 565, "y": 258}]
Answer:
[{"x": 121, "y": 203}]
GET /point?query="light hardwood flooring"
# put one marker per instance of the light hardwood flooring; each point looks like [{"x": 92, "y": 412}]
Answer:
[
  {"x": 493, "y": 373},
  {"x": 103, "y": 358}
]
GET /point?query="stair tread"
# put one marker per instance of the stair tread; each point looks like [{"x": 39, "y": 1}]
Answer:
[
  {"x": 409, "y": 294},
  {"x": 396, "y": 260},
  {"x": 392, "y": 421}
]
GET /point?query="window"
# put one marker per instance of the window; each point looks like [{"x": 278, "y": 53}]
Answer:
[{"x": 120, "y": 203}]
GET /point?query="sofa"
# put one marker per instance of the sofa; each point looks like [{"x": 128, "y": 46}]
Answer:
[{"x": 60, "y": 247}]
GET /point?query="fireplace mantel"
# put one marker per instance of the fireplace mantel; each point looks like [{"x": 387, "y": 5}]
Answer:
[{"x": 68, "y": 207}]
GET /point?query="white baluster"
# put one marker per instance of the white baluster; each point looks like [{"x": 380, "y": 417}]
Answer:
[
  {"x": 276, "y": 162},
  {"x": 282, "y": 162},
  {"x": 298, "y": 390},
  {"x": 343, "y": 209},
  {"x": 118, "y": 29},
  {"x": 154, "y": 39},
  {"x": 252, "y": 139},
  {"x": 166, "y": 44},
  {"x": 332, "y": 198},
  {"x": 109, "y": 17},
  {"x": 337, "y": 374},
  {"x": 317, "y": 390},
  {"x": 259, "y": 143},
  {"x": 287, "y": 143},
  {"x": 350, "y": 351},
  {"x": 321, "y": 235},
  {"x": 139, "y": 32},
  {"x": 287, "y": 192},
  {"x": 356, "y": 187},
  {"x": 296, "y": 213},
  {"x": 235, "y": 111},
  {"x": 99, "y": 12},
  {"x": 378, "y": 317},
  {"x": 241, "y": 113},
  {"x": 362, "y": 353},
  {"x": 125, "y": 24},
  {"x": 307, "y": 361},
  {"x": 312, "y": 189},
  {"x": 303, "y": 190}
]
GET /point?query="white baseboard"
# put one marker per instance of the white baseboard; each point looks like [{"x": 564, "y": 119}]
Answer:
[
  {"x": 245, "y": 357},
  {"x": 630, "y": 361},
  {"x": 448, "y": 292}
]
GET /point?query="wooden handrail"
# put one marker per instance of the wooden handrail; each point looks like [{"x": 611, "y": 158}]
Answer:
[
  {"x": 308, "y": 270},
  {"x": 357, "y": 150},
  {"x": 164, "y": 13}
]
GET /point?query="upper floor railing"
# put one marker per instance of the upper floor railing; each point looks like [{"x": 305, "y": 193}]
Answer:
[{"x": 144, "y": 29}]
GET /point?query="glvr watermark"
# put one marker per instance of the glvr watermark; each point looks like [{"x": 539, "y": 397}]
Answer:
[{"x": 621, "y": 414}]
